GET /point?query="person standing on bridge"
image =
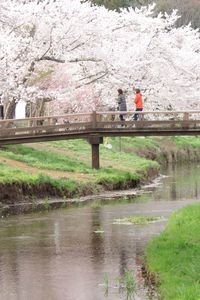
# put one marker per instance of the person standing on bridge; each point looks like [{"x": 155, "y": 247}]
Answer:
[
  {"x": 138, "y": 103},
  {"x": 121, "y": 103}
]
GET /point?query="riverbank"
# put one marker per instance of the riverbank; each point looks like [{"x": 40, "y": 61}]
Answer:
[
  {"x": 173, "y": 257},
  {"x": 49, "y": 171},
  {"x": 39, "y": 173}
]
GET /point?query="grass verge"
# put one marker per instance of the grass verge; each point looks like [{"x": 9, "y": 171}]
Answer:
[
  {"x": 174, "y": 256},
  {"x": 117, "y": 169},
  {"x": 67, "y": 164},
  {"x": 18, "y": 186}
]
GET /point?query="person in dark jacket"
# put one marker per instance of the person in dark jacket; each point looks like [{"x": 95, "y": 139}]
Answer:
[{"x": 121, "y": 103}]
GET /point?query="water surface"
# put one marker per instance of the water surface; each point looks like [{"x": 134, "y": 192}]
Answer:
[{"x": 58, "y": 256}]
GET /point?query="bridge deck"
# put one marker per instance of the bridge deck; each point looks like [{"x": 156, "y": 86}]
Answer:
[
  {"x": 94, "y": 126},
  {"x": 74, "y": 126}
]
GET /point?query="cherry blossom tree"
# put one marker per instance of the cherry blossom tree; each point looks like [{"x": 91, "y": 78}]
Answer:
[{"x": 77, "y": 55}]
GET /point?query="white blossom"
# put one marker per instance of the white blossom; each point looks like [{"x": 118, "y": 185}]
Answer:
[{"x": 81, "y": 54}]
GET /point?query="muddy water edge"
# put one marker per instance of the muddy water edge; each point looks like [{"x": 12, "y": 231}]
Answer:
[{"x": 81, "y": 253}]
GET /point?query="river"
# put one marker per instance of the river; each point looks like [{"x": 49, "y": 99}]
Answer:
[{"x": 78, "y": 253}]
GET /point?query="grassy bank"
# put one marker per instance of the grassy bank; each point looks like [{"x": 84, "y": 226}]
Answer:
[
  {"x": 17, "y": 185},
  {"x": 181, "y": 149},
  {"x": 63, "y": 168},
  {"x": 174, "y": 256},
  {"x": 66, "y": 167}
]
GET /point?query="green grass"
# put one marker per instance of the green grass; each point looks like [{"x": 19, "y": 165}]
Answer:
[
  {"x": 119, "y": 168},
  {"x": 11, "y": 176},
  {"x": 119, "y": 165},
  {"x": 185, "y": 141},
  {"x": 119, "y": 145},
  {"x": 126, "y": 160},
  {"x": 130, "y": 144},
  {"x": 44, "y": 159},
  {"x": 174, "y": 256}
]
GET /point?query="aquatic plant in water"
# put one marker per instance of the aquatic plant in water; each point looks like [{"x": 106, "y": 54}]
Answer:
[
  {"x": 46, "y": 203},
  {"x": 126, "y": 284},
  {"x": 130, "y": 284},
  {"x": 99, "y": 230},
  {"x": 137, "y": 220},
  {"x": 106, "y": 284}
]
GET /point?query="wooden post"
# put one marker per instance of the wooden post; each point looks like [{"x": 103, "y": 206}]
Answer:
[
  {"x": 186, "y": 116},
  {"x": 49, "y": 121},
  {"x": 186, "y": 119},
  {"x": 95, "y": 156},
  {"x": 94, "y": 141},
  {"x": 94, "y": 119},
  {"x": 141, "y": 117}
]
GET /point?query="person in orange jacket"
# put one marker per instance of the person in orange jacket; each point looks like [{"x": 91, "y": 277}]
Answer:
[{"x": 138, "y": 103}]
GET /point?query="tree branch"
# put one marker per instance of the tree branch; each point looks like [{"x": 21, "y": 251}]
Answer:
[
  {"x": 90, "y": 76},
  {"x": 50, "y": 43},
  {"x": 51, "y": 58},
  {"x": 85, "y": 59},
  {"x": 92, "y": 81},
  {"x": 77, "y": 46}
]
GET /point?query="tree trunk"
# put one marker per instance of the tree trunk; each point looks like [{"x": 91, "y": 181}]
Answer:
[
  {"x": 9, "y": 109},
  {"x": 36, "y": 109}
]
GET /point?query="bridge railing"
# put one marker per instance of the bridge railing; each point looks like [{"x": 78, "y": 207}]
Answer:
[
  {"x": 158, "y": 119},
  {"x": 46, "y": 124},
  {"x": 83, "y": 122}
]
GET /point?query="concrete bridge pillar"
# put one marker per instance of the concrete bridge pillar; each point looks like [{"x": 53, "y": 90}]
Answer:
[{"x": 94, "y": 141}]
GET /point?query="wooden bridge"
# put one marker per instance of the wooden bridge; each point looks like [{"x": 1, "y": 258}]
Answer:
[{"x": 96, "y": 125}]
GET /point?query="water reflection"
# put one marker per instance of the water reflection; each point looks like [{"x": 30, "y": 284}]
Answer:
[
  {"x": 97, "y": 239},
  {"x": 182, "y": 182},
  {"x": 123, "y": 262},
  {"x": 59, "y": 256}
]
